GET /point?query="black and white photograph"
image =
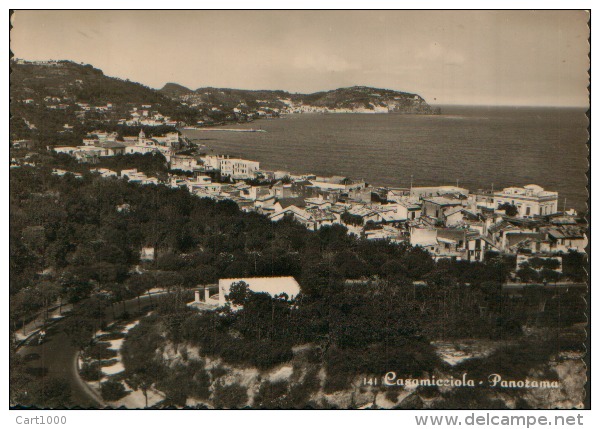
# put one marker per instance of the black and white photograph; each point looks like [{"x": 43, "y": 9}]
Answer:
[{"x": 299, "y": 210}]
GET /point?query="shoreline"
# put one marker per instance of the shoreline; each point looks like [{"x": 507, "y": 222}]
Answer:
[{"x": 290, "y": 146}]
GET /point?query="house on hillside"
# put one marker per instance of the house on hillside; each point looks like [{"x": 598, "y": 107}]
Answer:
[
  {"x": 318, "y": 203},
  {"x": 147, "y": 254},
  {"x": 298, "y": 214},
  {"x": 530, "y": 200},
  {"x": 438, "y": 191},
  {"x": 366, "y": 214},
  {"x": 274, "y": 286},
  {"x": 440, "y": 207},
  {"x": 566, "y": 238},
  {"x": 183, "y": 162},
  {"x": 113, "y": 148}
]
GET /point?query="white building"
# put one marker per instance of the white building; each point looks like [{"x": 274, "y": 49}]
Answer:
[
  {"x": 69, "y": 150},
  {"x": 435, "y": 191},
  {"x": 530, "y": 200},
  {"x": 147, "y": 254},
  {"x": 169, "y": 139},
  {"x": 337, "y": 183},
  {"x": 183, "y": 162},
  {"x": 138, "y": 148},
  {"x": 238, "y": 168},
  {"x": 272, "y": 285},
  {"x": 104, "y": 172},
  {"x": 402, "y": 210}
]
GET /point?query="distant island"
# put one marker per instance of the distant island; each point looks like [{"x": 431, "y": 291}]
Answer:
[{"x": 355, "y": 99}]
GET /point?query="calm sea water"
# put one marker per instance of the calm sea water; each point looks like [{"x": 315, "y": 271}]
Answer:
[{"x": 477, "y": 146}]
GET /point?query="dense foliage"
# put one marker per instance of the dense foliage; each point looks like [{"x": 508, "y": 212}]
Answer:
[
  {"x": 69, "y": 233},
  {"x": 365, "y": 306}
]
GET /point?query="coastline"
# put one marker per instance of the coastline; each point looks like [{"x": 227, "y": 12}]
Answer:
[{"x": 386, "y": 150}]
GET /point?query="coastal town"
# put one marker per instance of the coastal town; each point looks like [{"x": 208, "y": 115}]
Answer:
[
  {"x": 298, "y": 212},
  {"x": 521, "y": 227},
  {"x": 448, "y": 221}
]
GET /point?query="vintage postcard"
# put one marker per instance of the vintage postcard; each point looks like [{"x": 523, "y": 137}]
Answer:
[{"x": 310, "y": 209}]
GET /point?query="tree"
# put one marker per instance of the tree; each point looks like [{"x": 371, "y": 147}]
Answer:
[
  {"x": 52, "y": 393},
  {"x": 142, "y": 369},
  {"x": 79, "y": 330},
  {"x": 229, "y": 396},
  {"x": 536, "y": 262},
  {"x": 552, "y": 264},
  {"x": 137, "y": 286},
  {"x": 510, "y": 209},
  {"x": 93, "y": 311},
  {"x": 49, "y": 292},
  {"x": 113, "y": 391},
  {"x": 141, "y": 380},
  {"x": 239, "y": 293},
  {"x": 574, "y": 266},
  {"x": 550, "y": 275},
  {"x": 272, "y": 395},
  {"x": 351, "y": 219},
  {"x": 527, "y": 274},
  {"x": 90, "y": 372}
]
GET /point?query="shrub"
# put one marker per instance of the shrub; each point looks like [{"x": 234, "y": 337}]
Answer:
[
  {"x": 299, "y": 396},
  {"x": 231, "y": 396},
  {"x": 90, "y": 372},
  {"x": 52, "y": 393},
  {"x": 272, "y": 395},
  {"x": 510, "y": 209},
  {"x": 107, "y": 362},
  {"x": 112, "y": 390},
  {"x": 199, "y": 383},
  {"x": 175, "y": 398},
  {"x": 111, "y": 336},
  {"x": 392, "y": 395},
  {"x": 183, "y": 381},
  {"x": 100, "y": 351}
]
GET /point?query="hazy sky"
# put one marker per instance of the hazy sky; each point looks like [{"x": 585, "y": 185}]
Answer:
[{"x": 448, "y": 57}]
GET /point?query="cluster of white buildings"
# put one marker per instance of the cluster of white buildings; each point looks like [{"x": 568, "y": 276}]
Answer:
[
  {"x": 145, "y": 116},
  {"x": 447, "y": 221},
  {"x": 284, "y": 287},
  {"x": 51, "y": 102},
  {"x": 98, "y": 144},
  {"x": 234, "y": 168},
  {"x": 83, "y": 107}
]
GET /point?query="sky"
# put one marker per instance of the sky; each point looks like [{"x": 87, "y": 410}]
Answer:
[{"x": 533, "y": 58}]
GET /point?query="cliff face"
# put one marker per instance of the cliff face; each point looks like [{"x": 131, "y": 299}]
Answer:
[
  {"x": 365, "y": 99},
  {"x": 301, "y": 382},
  {"x": 356, "y": 99}
]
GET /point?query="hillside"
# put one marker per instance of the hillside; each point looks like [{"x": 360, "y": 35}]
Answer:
[
  {"x": 352, "y": 99},
  {"x": 57, "y": 102},
  {"x": 45, "y": 96},
  {"x": 71, "y": 82}
]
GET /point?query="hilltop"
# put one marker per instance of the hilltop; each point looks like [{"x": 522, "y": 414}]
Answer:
[
  {"x": 55, "y": 102},
  {"x": 66, "y": 81},
  {"x": 351, "y": 99}
]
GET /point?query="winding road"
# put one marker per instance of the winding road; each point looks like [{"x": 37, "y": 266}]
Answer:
[{"x": 56, "y": 357}]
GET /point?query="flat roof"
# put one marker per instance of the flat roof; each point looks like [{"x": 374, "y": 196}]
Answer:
[{"x": 271, "y": 285}]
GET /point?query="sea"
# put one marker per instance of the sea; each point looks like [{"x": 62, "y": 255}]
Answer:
[{"x": 476, "y": 147}]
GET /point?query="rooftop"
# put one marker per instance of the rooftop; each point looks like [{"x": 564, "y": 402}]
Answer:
[
  {"x": 443, "y": 201},
  {"x": 271, "y": 285}
]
